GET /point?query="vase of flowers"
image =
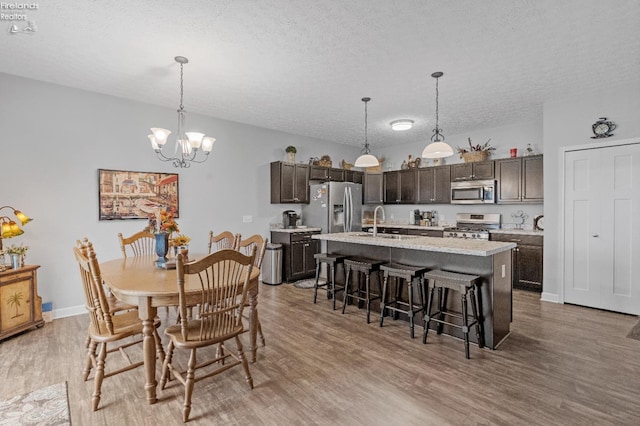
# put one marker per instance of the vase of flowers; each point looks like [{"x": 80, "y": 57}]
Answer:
[
  {"x": 17, "y": 255},
  {"x": 181, "y": 245},
  {"x": 291, "y": 153},
  {"x": 475, "y": 152},
  {"x": 163, "y": 225}
]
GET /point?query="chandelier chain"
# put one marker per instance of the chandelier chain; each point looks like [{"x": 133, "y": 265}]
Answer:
[
  {"x": 181, "y": 87},
  {"x": 437, "y": 132}
]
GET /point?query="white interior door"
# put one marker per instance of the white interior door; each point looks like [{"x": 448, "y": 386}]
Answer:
[{"x": 602, "y": 196}]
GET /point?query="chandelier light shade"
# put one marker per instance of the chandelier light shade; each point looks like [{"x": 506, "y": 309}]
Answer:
[
  {"x": 437, "y": 148},
  {"x": 8, "y": 227},
  {"x": 401, "y": 125},
  {"x": 188, "y": 144},
  {"x": 366, "y": 159}
]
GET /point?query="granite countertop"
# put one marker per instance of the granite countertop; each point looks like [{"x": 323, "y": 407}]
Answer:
[
  {"x": 405, "y": 226},
  {"x": 413, "y": 242},
  {"x": 296, "y": 229}
]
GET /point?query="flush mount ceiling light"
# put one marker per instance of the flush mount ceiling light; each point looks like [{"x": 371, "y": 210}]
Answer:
[
  {"x": 401, "y": 125},
  {"x": 438, "y": 148},
  {"x": 188, "y": 144},
  {"x": 366, "y": 159}
]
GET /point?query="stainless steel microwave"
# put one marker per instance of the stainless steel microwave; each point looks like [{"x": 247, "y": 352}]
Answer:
[{"x": 473, "y": 192}]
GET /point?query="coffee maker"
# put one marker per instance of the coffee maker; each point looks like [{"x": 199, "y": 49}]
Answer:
[
  {"x": 430, "y": 218},
  {"x": 289, "y": 219}
]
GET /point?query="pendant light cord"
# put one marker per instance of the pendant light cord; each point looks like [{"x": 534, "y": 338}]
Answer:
[
  {"x": 181, "y": 86},
  {"x": 365, "y": 149},
  {"x": 437, "y": 130}
]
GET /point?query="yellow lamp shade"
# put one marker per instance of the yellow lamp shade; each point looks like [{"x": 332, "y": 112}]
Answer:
[
  {"x": 23, "y": 218},
  {"x": 15, "y": 229},
  {"x": 6, "y": 230}
]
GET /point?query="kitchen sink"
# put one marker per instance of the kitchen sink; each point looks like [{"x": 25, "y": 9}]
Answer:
[{"x": 388, "y": 236}]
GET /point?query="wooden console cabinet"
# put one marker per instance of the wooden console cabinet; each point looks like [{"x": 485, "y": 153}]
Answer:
[{"x": 20, "y": 305}]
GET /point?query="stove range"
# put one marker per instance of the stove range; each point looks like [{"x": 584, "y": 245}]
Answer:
[{"x": 473, "y": 226}]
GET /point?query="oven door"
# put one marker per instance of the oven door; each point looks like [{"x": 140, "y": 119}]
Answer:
[{"x": 473, "y": 192}]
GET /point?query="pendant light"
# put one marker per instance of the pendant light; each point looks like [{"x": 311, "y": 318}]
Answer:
[
  {"x": 438, "y": 148},
  {"x": 366, "y": 159}
]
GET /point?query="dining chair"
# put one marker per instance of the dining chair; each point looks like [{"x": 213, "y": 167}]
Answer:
[
  {"x": 224, "y": 240},
  {"x": 140, "y": 244},
  {"x": 220, "y": 276},
  {"x": 105, "y": 328},
  {"x": 255, "y": 242}
]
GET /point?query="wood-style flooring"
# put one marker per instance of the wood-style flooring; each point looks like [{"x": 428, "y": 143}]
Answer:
[{"x": 561, "y": 365}]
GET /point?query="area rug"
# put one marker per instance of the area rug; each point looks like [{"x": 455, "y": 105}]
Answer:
[
  {"x": 45, "y": 406},
  {"x": 309, "y": 283},
  {"x": 635, "y": 332}
]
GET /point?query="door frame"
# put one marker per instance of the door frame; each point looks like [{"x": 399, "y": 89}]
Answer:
[{"x": 561, "y": 228}]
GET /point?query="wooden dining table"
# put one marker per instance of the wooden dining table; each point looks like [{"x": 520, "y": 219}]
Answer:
[{"x": 138, "y": 281}]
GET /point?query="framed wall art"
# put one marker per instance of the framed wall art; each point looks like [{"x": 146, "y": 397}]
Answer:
[{"x": 124, "y": 194}]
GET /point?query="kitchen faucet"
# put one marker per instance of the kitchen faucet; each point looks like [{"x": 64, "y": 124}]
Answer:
[{"x": 375, "y": 222}]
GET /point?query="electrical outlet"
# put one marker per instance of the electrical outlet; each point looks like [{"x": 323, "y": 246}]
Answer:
[
  {"x": 504, "y": 271},
  {"x": 247, "y": 219}
]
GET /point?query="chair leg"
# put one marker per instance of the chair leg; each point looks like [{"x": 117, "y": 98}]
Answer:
[
  {"x": 245, "y": 364},
  {"x": 159, "y": 349},
  {"x": 427, "y": 315},
  {"x": 102, "y": 355},
  {"x": 367, "y": 281},
  {"x": 383, "y": 298},
  {"x": 442, "y": 303},
  {"x": 262, "y": 342},
  {"x": 91, "y": 353},
  {"x": 333, "y": 286},
  {"x": 465, "y": 324},
  {"x": 474, "y": 310},
  {"x": 315, "y": 287},
  {"x": 346, "y": 290},
  {"x": 411, "y": 314},
  {"x": 188, "y": 386},
  {"x": 166, "y": 365}
]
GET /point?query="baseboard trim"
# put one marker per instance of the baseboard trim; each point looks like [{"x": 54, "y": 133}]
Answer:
[
  {"x": 69, "y": 312},
  {"x": 550, "y": 297}
]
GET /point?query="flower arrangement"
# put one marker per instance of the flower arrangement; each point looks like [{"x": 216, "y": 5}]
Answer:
[
  {"x": 163, "y": 221},
  {"x": 485, "y": 147},
  {"x": 291, "y": 149},
  {"x": 180, "y": 240},
  {"x": 14, "y": 249}
]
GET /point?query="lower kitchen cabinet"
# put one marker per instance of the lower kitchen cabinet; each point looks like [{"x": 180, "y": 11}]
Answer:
[
  {"x": 20, "y": 305},
  {"x": 298, "y": 249},
  {"x": 527, "y": 257}
]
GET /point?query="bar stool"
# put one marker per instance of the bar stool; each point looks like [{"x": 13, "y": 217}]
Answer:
[
  {"x": 361, "y": 265},
  {"x": 466, "y": 285},
  {"x": 403, "y": 274},
  {"x": 332, "y": 260}
]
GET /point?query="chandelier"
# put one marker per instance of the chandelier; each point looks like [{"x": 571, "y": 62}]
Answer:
[
  {"x": 366, "y": 159},
  {"x": 188, "y": 144},
  {"x": 8, "y": 227},
  {"x": 438, "y": 148}
]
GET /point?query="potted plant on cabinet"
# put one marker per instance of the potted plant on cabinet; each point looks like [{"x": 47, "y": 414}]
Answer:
[{"x": 291, "y": 153}]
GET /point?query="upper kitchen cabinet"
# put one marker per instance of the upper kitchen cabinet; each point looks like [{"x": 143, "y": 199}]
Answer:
[
  {"x": 326, "y": 174},
  {"x": 400, "y": 186},
  {"x": 475, "y": 170},
  {"x": 289, "y": 183},
  {"x": 520, "y": 180},
  {"x": 373, "y": 192},
  {"x": 353, "y": 176},
  {"x": 434, "y": 185}
]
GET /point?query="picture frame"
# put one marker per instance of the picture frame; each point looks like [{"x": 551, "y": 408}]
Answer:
[{"x": 126, "y": 194}]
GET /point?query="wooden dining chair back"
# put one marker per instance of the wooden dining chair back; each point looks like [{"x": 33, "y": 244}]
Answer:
[
  {"x": 140, "y": 244},
  {"x": 220, "y": 277},
  {"x": 104, "y": 327},
  {"x": 224, "y": 240},
  {"x": 256, "y": 242}
]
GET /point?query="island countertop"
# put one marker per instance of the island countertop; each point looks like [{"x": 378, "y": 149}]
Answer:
[{"x": 469, "y": 247}]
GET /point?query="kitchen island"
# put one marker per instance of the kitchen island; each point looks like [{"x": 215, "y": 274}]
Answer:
[{"x": 491, "y": 260}]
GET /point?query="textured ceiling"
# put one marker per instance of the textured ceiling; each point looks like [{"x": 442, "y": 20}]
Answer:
[{"x": 303, "y": 66}]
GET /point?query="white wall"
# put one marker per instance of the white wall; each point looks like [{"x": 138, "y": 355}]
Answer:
[
  {"x": 55, "y": 138},
  {"x": 502, "y": 138},
  {"x": 567, "y": 122}
]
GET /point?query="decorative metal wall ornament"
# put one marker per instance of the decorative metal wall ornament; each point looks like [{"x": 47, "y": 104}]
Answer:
[{"x": 602, "y": 128}]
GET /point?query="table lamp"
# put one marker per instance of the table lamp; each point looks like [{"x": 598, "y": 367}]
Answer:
[{"x": 9, "y": 228}]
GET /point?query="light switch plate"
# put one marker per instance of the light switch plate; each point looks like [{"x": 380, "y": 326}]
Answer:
[{"x": 247, "y": 219}]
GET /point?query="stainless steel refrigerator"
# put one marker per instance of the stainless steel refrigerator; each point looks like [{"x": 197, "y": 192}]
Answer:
[{"x": 334, "y": 207}]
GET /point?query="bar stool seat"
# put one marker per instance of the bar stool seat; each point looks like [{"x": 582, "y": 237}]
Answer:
[
  {"x": 466, "y": 285},
  {"x": 404, "y": 274},
  {"x": 361, "y": 265},
  {"x": 331, "y": 260}
]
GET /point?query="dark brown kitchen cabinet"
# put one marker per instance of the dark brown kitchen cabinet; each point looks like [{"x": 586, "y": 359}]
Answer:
[
  {"x": 426, "y": 232},
  {"x": 472, "y": 171},
  {"x": 434, "y": 185},
  {"x": 353, "y": 176},
  {"x": 400, "y": 186},
  {"x": 289, "y": 183},
  {"x": 373, "y": 192},
  {"x": 326, "y": 174},
  {"x": 520, "y": 180},
  {"x": 298, "y": 253},
  {"x": 526, "y": 268}
]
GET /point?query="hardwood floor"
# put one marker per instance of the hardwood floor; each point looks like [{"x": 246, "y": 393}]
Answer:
[{"x": 561, "y": 365}]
